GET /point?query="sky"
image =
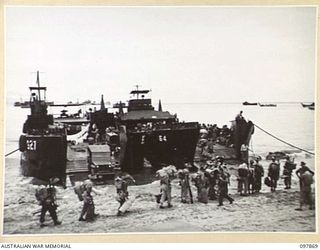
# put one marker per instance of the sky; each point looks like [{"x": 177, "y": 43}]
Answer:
[{"x": 183, "y": 54}]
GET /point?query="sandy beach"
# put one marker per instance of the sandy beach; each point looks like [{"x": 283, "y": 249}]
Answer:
[{"x": 264, "y": 212}]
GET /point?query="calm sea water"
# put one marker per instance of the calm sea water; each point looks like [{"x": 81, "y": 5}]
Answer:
[{"x": 289, "y": 122}]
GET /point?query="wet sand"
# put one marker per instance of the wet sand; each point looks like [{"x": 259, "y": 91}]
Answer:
[{"x": 264, "y": 212}]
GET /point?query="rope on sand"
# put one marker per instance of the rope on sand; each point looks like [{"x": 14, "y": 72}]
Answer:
[
  {"x": 11, "y": 152},
  {"x": 291, "y": 145}
]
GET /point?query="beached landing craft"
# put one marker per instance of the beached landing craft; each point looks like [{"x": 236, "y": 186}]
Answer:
[
  {"x": 131, "y": 137},
  {"x": 155, "y": 135},
  {"x": 43, "y": 145},
  {"x": 143, "y": 133}
]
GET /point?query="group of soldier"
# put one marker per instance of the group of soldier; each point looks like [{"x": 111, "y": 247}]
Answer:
[
  {"x": 46, "y": 196},
  {"x": 250, "y": 178},
  {"x": 211, "y": 182}
]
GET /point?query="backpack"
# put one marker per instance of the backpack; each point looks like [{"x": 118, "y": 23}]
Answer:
[
  {"x": 41, "y": 194},
  {"x": 267, "y": 181},
  {"x": 258, "y": 171},
  {"x": 79, "y": 190},
  {"x": 243, "y": 172}
]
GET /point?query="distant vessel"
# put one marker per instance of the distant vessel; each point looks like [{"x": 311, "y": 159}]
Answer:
[
  {"x": 66, "y": 104},
  {"x": 43, "y": 145},
  {"x": 307, "y": 105},
  {"x": 311, "y": 107},
  {"x": 119, "y": 104},
  {"x": 26, "y": 104},
  {"x": 17, "y": 104},
  {"x": 267, "y": 105},
  {"x": 72, "y": 122},
  {"x": 249, "y": 103}
]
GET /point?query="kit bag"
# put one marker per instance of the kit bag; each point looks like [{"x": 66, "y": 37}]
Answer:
[{"x": 267, "y": 181}]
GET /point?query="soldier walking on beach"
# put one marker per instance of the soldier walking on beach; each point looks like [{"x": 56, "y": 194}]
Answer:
[
  {"x": 243, "y": 175},
  {"x": 223, "y": 187},
  {"x": 251, "y": 177},
  {"x": 287, "y": 172},
  {"x": 274, "y": 173},
  {"x": 258, "y": 174},
  {"x": 166, "y": 174},
  {"x": 202, "y": 183},
  {"x": 47, "y": 199},
  {"x": 121, "y": 184},
  {"x": 213, "y": 182},
  {"x": 88, "y": 209},
  {"x": 186, "y": 194},
  {"x": 305, "y": 176}
]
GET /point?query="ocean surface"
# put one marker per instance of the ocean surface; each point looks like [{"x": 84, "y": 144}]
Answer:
[{"x": 288, "y": 121}]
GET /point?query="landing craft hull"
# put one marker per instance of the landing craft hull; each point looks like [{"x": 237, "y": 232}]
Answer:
[
  {"x": 175, "y": 145},
  {"x": 43, "y": 156}
]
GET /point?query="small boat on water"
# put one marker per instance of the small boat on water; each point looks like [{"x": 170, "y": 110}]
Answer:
[
  {"x": 311, "y": 107},
  {"x": 250, "y": 103},
  {"x": 26, "y": 104},
  {"x": 73, "y": 123},
  {"x": 17, "y": 104},
  {"x": 307, "y": 105},
  {"x": 267, "y": 105},
  {"x": 43, "y": 145},
  {"x": 69, "y": 104}
]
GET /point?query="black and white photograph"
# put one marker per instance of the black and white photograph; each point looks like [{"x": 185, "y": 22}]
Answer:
[{"x": 159, "y": 119}]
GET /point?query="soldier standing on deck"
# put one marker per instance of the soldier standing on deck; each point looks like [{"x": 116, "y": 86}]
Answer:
[{"x": 47, "y": 199}]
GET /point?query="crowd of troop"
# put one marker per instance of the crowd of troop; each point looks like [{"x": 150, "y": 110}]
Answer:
[
  {"x": 211, "y": 182},
  {"x": 250, "y": 178}
]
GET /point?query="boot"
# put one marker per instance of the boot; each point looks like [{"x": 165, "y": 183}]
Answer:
[
  {"x": 57, "y": 223},
  {"x": 120, "y": 213}
]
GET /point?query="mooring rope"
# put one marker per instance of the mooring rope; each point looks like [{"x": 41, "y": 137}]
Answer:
[
  {"x": 11, "y": 152},
  {"x": 291, "y": 145}
]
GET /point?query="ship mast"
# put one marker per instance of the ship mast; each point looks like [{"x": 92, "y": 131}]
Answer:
[
  {"x": 137, "y": 90},
  {"x": 38, "y": 83}
]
